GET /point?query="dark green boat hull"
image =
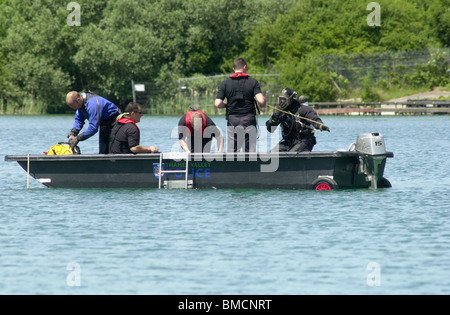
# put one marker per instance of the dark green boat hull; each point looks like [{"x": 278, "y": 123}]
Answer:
[{"x": 338, "y": 170}]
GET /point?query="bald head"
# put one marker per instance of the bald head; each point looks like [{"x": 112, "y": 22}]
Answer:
[{"x": 74, "y": 100}]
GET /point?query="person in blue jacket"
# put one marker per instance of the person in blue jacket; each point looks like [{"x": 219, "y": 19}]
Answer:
[{"x": 100, "y": 113}]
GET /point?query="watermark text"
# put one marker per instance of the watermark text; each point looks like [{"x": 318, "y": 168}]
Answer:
[
  {"x": 74, "y": 277},
  {"x": 74, "y": 17},
  {"x": 374, "y": 18},
  {"x": 374, "y": 277}
]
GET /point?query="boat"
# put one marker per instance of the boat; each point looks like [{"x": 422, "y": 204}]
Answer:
[{"x": 361, "y": 166}]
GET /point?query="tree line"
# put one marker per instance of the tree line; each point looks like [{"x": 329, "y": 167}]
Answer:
[{"x": 43, "y": 55}]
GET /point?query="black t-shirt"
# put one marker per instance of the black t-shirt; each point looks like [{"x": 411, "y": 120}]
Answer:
[
  {"x": 123, "y": 138},
  {"x": 211, "y": 131},
  {"x": 240, "y": 93}
]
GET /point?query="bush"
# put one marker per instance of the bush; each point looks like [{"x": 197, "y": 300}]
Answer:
[
  {"x": 368, "y": 95},
  {"x": 431, "y": 75},
  {"x": 308, "y": 78}
]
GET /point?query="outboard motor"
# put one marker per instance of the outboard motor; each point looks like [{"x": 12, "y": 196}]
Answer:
[{"x": 372, "y": 151}]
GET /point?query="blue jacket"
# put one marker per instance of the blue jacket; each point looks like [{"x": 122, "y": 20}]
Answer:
[{"x": 96, "y": 110}]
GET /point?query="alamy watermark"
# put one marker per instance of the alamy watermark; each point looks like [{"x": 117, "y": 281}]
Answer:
[
  {"x": 74, "y": 17},
  {"x": 74, "y": 277},
  {"x": 262, "y": 140},
  {"x": 374, "y": 18},
  {"x": 374, "y": 277}
]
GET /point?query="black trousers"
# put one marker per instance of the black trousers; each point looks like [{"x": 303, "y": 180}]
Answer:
[
  {"x": 242, "y": 133},
  {"x": 297, "y": 145},
  {"x": 106, "y": 127}
]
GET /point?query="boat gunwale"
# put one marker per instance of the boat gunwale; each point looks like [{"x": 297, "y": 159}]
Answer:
[{"x": 222, "y": 157}]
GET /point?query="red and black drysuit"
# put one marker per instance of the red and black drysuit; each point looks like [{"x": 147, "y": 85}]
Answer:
[{"x": 186, "y": 132}]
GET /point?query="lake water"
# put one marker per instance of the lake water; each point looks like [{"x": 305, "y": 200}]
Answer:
[{"x": 137, "y": 241}]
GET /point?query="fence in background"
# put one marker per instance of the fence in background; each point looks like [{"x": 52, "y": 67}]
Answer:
[{"x": 175, "y": 98}]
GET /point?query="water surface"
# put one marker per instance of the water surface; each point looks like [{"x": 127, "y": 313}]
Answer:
[{"x": 137, "y": 241}]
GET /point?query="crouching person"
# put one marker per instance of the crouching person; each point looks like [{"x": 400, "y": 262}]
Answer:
[
  {"x": 298, "y": 123},
  {"x": 125, "y": 135},
  {"x": 195, "y": 133}
]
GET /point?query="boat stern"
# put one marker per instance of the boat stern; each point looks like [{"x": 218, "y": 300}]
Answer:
[{"x": 372, "y": 153}]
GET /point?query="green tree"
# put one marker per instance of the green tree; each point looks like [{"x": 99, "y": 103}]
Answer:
[
  {"x": 439, "y": 20},
  {"x": 308, "y": 77},
  {"x": 368, "y": 95},
  {"x": 161, "y": 40},
  {"x": 38, "y": 46},
  {"x": 317, "y": 28},
  {"x": 33, "y": 56}
]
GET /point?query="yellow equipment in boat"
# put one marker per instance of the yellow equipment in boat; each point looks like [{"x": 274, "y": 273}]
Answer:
[{"x": 62, "y": 149}]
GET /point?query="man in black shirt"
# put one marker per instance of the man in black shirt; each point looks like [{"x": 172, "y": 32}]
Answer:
[
  {"x": 125, "y": 135},
  {"x": 196, "y": 130},
  {"x": 298, "y": 123},
  {"x": 241, "y": 91}
]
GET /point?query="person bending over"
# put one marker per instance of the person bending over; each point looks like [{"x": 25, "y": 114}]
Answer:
[
  {"x": 196, "y": 130},
  {"x": 100, "y": 113}
]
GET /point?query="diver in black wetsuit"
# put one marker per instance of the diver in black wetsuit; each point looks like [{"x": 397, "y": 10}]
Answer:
[{"x": 297, "y": 132}]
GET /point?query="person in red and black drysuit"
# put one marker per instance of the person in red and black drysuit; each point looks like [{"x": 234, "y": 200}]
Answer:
[
  {"x": 241, "y": 92},
  {"x": 195, "y": 133},
  {"x": 125, "y": 135}
]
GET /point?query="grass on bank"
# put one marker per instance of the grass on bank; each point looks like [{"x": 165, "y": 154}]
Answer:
[{"x": 383, "y": 95}]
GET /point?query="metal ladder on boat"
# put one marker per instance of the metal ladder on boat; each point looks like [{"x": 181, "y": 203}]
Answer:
[{"x": 177, "y": 184}]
